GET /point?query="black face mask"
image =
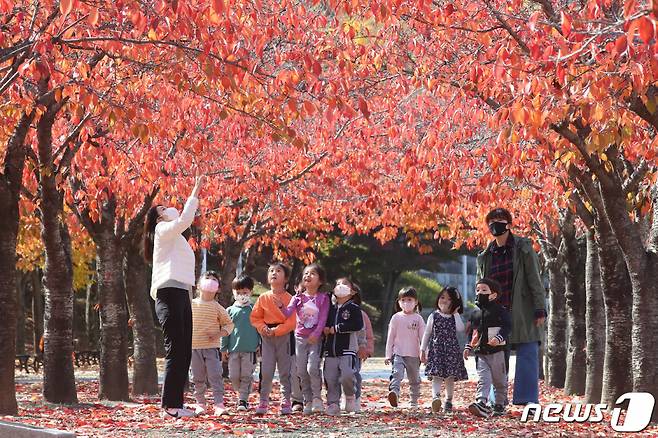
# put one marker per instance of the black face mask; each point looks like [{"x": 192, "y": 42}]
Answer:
[
  {"x": 498, "y": 228},
  {"x": 482, "y": 301}
]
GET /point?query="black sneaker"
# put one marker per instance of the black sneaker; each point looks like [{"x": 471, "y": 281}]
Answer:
[
  {"x": 479, "y": 409},
  {"x": 242, "y": 405},
  {"x": 448, "y": 406},
  {"x": 498, "y": 410}
]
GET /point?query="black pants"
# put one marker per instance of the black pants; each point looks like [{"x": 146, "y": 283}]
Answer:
[{"x": 175, "y": 315}]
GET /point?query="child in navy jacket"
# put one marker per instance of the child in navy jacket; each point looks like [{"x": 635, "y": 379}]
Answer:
[{"x": 340, "y": 347}]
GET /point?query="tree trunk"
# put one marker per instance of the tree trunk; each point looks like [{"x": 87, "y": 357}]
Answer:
[
  {"x": 231, "y": 250},
  {"x": 615, "y": 283},
  {"x": 21, "y": 336},
  {"x": 642, "y": 267},
  {"x": 574, "y": 267},
  {"x": 10, "y": 185},
  {"x": 594, "y": 323},
  {"x": 37, "y": 311},
  {"x": 137, "y": 277},
  {"x": 8, "y": 234},
  {"x": 556, "y": 342},
  {"x": 113, "y": 315},
  {"x": 59, "y": 378}
]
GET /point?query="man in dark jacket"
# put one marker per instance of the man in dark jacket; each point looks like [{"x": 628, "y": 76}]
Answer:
[{"x": 512, "y": 261}]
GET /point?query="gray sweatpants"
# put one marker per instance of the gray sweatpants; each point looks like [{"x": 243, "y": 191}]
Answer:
[
  {"x": 491, "y": 371},
  {"x": 308, "y": 367},
  {"x": 295, "y": 383},
  {"x": 339, "y": 375},
  {"x": 241, "y": 367},
  {"x": 276, "y": 354},
  {"x": 412, "y": 366},
  {"x": 207, "y": 365}
]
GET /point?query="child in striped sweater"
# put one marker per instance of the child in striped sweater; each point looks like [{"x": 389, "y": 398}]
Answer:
[{"x": 210, "y": 322}]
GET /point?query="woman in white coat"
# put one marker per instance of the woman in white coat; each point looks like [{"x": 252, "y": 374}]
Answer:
[{"x": 172, "y": 279}]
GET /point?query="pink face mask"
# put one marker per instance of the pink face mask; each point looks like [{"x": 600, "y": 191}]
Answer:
[{"x": 209, "y": 285}]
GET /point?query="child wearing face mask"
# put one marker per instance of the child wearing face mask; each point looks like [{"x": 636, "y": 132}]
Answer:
[
  {"x": 240, "y": 346},
  {"x": 405, "y": 332},
  {"x": 311, "y": 307},
  {"x": 210, "y": 322},
  {"x": 344, "y": 321},
  {"x": 440, "y": 347},
  {"x": 488, "y": 344}
]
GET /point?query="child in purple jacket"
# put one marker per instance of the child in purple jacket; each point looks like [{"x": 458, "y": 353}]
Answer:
[{"x": 311, "y": 307}]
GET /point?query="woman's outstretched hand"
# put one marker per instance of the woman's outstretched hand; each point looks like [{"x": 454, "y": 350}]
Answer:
[{"x": 198, "y": 182}]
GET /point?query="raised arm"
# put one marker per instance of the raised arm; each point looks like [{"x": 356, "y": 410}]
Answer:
[{"x": 168, "y": 229}]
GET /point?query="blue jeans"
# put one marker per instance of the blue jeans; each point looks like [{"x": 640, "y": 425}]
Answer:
[{"x": 526, "y": 377}]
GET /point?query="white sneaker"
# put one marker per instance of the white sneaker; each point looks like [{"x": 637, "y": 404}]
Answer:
[
  {"x": 318, "y": 405},
  {"x": 200, "y": 409},
  {"x": 357, "y": 405},
  {"x": 220, "y": 410},
  {"x": 350, "y": 404},
  {"x": 308, "y": 409},
  {"x": 178, "y": 413}
]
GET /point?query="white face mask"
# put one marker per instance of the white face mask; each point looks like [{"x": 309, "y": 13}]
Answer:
[
  {"x": 241, "y": 299},
  {"x": 342, "y": 291},
  {"x": 170, "y": 214},
  {"x": 209, "y": 285},
  {"x": 407, "y": 306}
]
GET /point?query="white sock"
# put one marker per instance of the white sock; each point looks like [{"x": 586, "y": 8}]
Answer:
[
  {"x": 450, "y": 388},
  {"x": 436, "y": 387}
]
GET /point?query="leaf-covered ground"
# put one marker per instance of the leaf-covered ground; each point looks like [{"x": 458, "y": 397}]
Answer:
[{"x": 142, "y": 418}]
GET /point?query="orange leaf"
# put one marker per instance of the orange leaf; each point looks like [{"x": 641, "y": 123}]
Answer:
[
  {"x": 66, "y": 6},
  {"x": 363, "y": 107},
  {"x": 93, "y": 17},
  {"x": 566, "y": 24},
  {"x": 646, "y": 29}
]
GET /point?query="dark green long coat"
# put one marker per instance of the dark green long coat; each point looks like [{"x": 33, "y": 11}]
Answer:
[{"x": 528, "y": 293}]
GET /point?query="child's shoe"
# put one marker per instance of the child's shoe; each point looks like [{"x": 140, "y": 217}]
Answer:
[
  {"x": 448, "y": 407},
  {"x": 220, "y": 410},
  {"x": 393, "y": 398},
  {"x": 436, "y": 405},
  {"x": 262, "y": 407},
  {"x": 178, "y": 413},
  {"x": 243, "y": 406},
  {"x": 200, "y": 409},
  {"x": 297, "y": 406},
  {"x": 286, "y": 409},
  {"x": 479, "y": 409},
  {"x": 357, "y": 405},
  {"x": 414, "y": 404},
  {"x": 498, "y": 410},
  {"x": 333, "y": 409},
  {"x": 350, "y": 404},
  {"x": 318, "y": 406},
  {"x": 308, "y": 409}
]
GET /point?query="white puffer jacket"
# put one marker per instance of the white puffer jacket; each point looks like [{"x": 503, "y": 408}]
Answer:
[{"x": 173, "y": 258}]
